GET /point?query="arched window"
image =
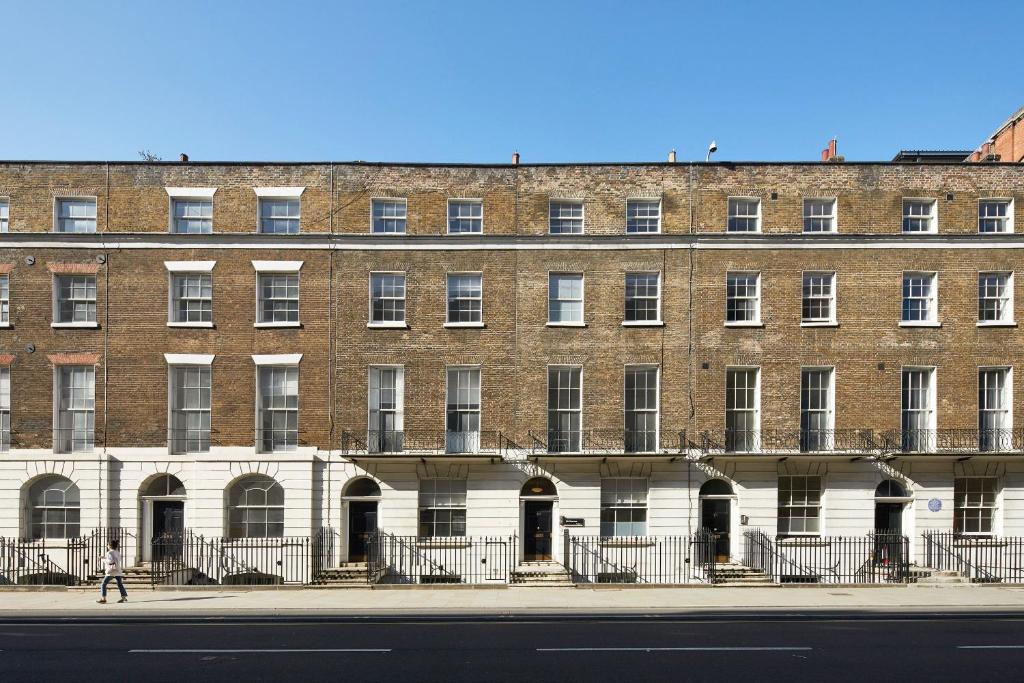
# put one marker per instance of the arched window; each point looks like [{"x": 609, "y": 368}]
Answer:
[
  {"x": 890, "y": 488},
  {"x": 165, "y": 485},
  {"x": 539, "y": 486},
  {"x": 716, "y": 487},
  {"x": 55, "y": 508},
  {"x": 362, "y": 488},
  {"x": 256, "y": 508}
]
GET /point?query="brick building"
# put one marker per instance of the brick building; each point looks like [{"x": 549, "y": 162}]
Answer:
[{"x": 265, "y": 350}]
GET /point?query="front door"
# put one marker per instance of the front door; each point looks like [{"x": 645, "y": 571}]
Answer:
[
  {"x": 715, "y": 519},
  {"x": 889, "y": 518},
  {"x": 362, "y": 521},
  {"x": 537, "y": 530},
  {"x": 168, "y": 528}
]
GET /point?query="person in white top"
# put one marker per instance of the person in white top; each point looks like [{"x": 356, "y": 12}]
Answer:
[{"x": 112, "y": 570}]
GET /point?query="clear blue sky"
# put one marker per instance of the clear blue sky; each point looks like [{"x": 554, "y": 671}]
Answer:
[{"x": 472, "y": 81}]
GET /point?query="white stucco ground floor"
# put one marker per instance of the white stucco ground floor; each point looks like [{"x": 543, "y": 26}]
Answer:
[{"x": 234, "y": 494}]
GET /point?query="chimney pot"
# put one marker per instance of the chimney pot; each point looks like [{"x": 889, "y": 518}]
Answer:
[
  {"x": 183, "y": 158},
  {"x": 672, "y": 156},
  {"x": 829, "y": 153},
  {"x": 515, "y": 158}
]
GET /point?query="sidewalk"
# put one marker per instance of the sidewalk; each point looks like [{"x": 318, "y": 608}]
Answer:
[{"x": 512, "y": 601}]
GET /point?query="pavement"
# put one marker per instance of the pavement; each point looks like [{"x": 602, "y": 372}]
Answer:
[{"x": 511, "y": 601}]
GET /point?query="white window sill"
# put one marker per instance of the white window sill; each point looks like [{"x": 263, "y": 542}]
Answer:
[
  {"x": 82, "y": 325},
  {"x": 388, "y": 234},
  {"x": 565, "y": 324},
  {"x": 643, "y": 323},
  {"x": 920, "y": 232},
  {"x": 992, "y": 323},
  {"x": 282, "y": 323},
  {"x": 920, "y": 323},
  {"x": 388, "y": 326},
  {"x": 463, "y": 325},
  {"x": 819, "y": 232},
  {"x": 197, "y": 323},
  {"x": 744, "y": 324},
  {"x": 5, "y": 324},
  {"x": 819, "y": 323}
]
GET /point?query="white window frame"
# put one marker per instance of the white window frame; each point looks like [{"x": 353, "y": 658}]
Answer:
[
  {"x": 831, "y": 321},
  {"x": 58, "y": 390},
  {"x": 55, "y": 312},
  {"x": 829, "y": 411},
  {"x": 5, "y": 299},
  {"x": 474, "y": 445},
  {"x": 574, "y": 443},
  {"x": 755, "y": 440},
  {"x": 1009, "y": 215},
  {"x": 270, "y": 362},
  {"x": 58, "y": 200},
  {"x": 464, "y": 200},
  {"x": 277, "y": 194},
  {"x": 1008, "y": 319},
  {"x": 1003, "y": 441},
  {"x": 621, "y": 494},
  {"x": 643, "y": 367},
  {"x": 790, "y": 505},
  {"x": 373, "y": 409},
  {"x": 630, "y": 202},
  {"x": 582, "y": 322},
  {"x": 995, "y": 508},
  {"x": 933, "y": 222},
  {"x": 175, "y": 268},
  {"x": 448, "y": 299},
  {"x": 729, "y": 215},
  {"x": 658, "y": 321},
  {"x": 5, "y": 214},
  {"x": 933, "y": 299},
  {"x": 5, "y": 408},
  {"x": 389, "y": 200},
  {"x": 833, "y": 217},
  {"x": 930, "y": 411},
  {"x": 555, "y": 201},
  {"x": 263, "y": 268},
  {"x": 395, "y": 324},
  {"x": 188, "y": 194},
  {"x": 200, "y": 362},
  {"x": 756, "y": 322},
  {"x": 434, "y": 496},
  {"x": 266, "y": 200}
]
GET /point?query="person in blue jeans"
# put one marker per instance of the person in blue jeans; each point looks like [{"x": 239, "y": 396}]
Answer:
[{"x": 112, "y": 570}]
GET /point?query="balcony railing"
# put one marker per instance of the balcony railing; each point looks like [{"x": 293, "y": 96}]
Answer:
[
  {"x": 605, "y": 441},
  {"x": 414, "y": 442},
  {"x": 954, "y": 440},
  {"x": 788, "y": 441}
]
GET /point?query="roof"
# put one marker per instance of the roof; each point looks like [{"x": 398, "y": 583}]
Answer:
[{"x": 925, "y": 156}]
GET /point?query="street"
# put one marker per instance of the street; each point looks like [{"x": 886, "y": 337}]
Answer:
[{"x": 754, "y": 646}]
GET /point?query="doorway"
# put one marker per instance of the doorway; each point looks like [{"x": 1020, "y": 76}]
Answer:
[
  {"x": 537, "y": 517},
  {"x": 888, "y": 518},
  {"x": 168, "y": 529},
  {"x": 716, "y": 499},
  {"x": 362, "y": 522}
]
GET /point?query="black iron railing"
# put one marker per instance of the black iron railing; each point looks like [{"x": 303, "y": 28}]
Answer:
[
  {"x": 982, "y": 559},
  {"x": 411, "y": 559},
  {"x": 426, "y": 442},
  {"x": 954, "y": 440},
  {"x": 185, "y": 558},
  {"x": 873, "y": 558},
  {"x": 640, "y": 559},
  {"x": 603, "y": 441},
  {"x": 788, "y": 441},
  {"x": 28, "y": 562}
]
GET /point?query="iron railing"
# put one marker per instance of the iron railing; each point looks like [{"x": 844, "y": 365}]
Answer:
[
  {"x": 954, "y": 440},
  {"x": 605, "y": 441},
  {"x": 640, "y": 559},
  {"x": 789, "y": 441},
  {"x": 873, "y": 558},
  {"x": 406, "y": 442},
  {"x": 982, "y": 559},
  {"x": 61, "y": 561},
  {"x": 411, "y": 559},
  {"x": 185, "y": 558}
]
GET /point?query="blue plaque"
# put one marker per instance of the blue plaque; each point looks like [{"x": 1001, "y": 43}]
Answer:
[{"x": 934, "y": 504}]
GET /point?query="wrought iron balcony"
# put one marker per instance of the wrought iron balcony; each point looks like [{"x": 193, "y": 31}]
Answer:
[
  {"x": 605, "y": 441},
  {"x": 439, "y": 442},
  {"x": 954, "y": 440},
  {"x": 788, "y": 441}
]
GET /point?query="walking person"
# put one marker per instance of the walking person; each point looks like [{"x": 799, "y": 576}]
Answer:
[{"x": 112, "y": 570}]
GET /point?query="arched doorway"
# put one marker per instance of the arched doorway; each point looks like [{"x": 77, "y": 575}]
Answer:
[
  {"x": 891, "y": 500},
  {"x": 361, "y": 497},
  {"x": 538, "y": 497},
  {"x": 163, "y": 517},
  {"x": 716, "y": 501}
]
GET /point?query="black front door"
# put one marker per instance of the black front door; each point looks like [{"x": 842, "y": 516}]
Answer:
[
  {"x": 537, "y": 531},
  {"x": 714, "y": 518},
  {"x": 889, "y": 518},
  {"x": 362, "y": 521},
  {"x": 168, "y": 528}
]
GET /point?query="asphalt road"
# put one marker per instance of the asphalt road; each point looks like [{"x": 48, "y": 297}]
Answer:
[{"x": 754, "y": 647}]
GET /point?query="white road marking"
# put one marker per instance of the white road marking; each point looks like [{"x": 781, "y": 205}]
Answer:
[
  {"x": 672, "y": 649},
  {"x": 255, "y": 650},
  {"x": 990, "y": 647}
]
